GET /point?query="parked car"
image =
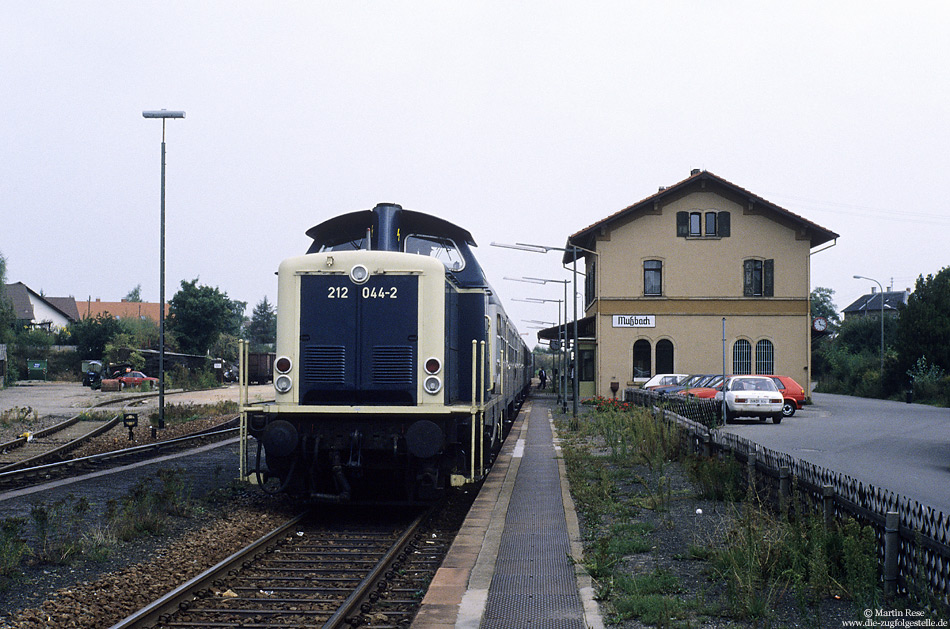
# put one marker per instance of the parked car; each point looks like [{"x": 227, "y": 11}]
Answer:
[
  {"x": 698, "y": 380},
  {"x": 135, "y": 379},
  {"x": 793, "y": 393},
  {"x": 706, "y": 391},
  {"x": 752, "y": 396},
  {"x": 664, "y": 380}
]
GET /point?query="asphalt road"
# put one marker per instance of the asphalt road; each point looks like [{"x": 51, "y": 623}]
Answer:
[{"x": 904, "y": 448}]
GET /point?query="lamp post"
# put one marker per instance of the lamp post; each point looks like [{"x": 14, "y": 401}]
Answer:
[
  {"x": 164, "y": 114},
  {"x": 861, "y": 277},
  {"x": 562, "y": 399},
  {"x": 521, "y": 246}
]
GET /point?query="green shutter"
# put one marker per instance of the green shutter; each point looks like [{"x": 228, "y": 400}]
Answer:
[
  {"x": 768, "y": 278},
  {"x": 682, "y": 224},
  {"x": 723, "y": 224}
]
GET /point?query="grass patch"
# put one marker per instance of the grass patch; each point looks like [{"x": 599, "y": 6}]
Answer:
[
  {"x": 183, "y": 413},
  {"x": 622, "y": 464}
]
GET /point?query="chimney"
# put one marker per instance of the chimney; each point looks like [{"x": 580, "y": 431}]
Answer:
[
  {"x": 695, "y": 171},
  {"x": 874, "y": 290}
]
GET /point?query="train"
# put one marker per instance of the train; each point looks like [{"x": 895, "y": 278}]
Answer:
[{"x": 398, "y": 373}]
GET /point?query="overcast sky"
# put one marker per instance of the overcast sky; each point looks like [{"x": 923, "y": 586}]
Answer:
[{"x": 520, "y": 121}]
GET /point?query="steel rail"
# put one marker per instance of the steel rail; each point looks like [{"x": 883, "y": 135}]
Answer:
[
  {"x": 62, "y": 449},
  {"x": 150, "y": 614},
  {"x": 362, "y": 591},
  {"x": 158, "y": 611},
  {"x": 135, "y": 451}
]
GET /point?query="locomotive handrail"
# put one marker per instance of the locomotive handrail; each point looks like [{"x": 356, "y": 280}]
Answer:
[
  {"x": 471, "y": 467},
  {"x": 481, "y": 415}
]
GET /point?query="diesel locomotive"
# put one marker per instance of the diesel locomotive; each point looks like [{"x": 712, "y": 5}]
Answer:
[{"x": 397, "y": 371}]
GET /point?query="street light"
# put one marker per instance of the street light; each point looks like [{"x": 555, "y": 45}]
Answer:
[
  {"x": 559, "y": 381},
  {"x": 523, "y": 246},
  {"x": 562, "y": 394},
  {"x": 164, "y": 114},
  {"x": 861, "y": 277}
]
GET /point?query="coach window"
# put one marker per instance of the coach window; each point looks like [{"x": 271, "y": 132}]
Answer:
[
  {"x": 652, "y": 277},
  {"x": 641, "y": 360},
  {"x": 742, "y": 357},
  {"x": 764, "y": 357},
  {"x": 442, "y": 249}
]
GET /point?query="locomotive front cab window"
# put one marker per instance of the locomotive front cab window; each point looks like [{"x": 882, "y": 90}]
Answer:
[
  {"x": 348, "y": 245},
  {"x": 442, "y": 249}
]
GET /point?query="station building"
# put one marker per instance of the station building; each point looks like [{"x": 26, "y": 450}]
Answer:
[{"x": 699, "y": 274}]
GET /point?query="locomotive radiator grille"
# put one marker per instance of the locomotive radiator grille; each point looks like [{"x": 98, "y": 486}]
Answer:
[
  {"x": 393, "y": 364},
  {"x": 324, "y": 364}
]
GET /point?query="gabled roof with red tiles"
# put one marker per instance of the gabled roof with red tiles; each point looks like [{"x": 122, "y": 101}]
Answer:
[{"x": 698, "y": 180}]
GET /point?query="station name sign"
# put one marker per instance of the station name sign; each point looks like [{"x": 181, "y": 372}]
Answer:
[{"x": 634, "y": 321}]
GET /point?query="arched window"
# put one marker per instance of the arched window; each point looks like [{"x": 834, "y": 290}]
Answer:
[
  {"x": 742, "y": 357},
  {"x": 641, "y": 359},
  {"x": 764, "y": 357},
  {"x": 664, "y": 356}
]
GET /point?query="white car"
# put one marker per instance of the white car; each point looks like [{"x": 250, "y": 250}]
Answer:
[
  {"x": 752, "y": 396},
  {"x": 664, "y": 380}
]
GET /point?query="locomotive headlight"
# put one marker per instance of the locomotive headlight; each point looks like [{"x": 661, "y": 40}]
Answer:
[
  {"x": 359, "y": 274},
  {"x": 283, "y": 384},
  {"x": 433, "y": 366},
  {"x": 283, "y": 364},
  {"x": 432, "y": 385}
]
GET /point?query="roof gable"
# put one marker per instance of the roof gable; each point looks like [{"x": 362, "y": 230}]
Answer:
[{"x": 701, "y": 181}]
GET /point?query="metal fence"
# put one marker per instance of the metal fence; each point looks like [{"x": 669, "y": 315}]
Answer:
[{"x": 913, "y": 539}]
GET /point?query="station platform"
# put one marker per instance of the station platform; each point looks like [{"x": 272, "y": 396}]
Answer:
[{"x": 516, "y": 562}]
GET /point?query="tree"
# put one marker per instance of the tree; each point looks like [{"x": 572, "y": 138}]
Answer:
[
  {"x": 135, "y": 294},
  {"x": 199, "y": 314},
  {"x": 92, "y": 335},
  {"x": 262, "y": 329},
  {"x": 924, "y": 325},
  {"x": 822, "y": 305},
  {"x": 7, "y": 316}
]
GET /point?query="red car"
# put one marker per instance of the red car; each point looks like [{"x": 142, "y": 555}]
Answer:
[
  {"x": 793, "y": 393},
  {"x": 135, "y": 379}
]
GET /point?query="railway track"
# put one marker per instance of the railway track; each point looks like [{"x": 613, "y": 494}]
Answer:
[
  {"x": 305, "y": 573},
  {"x": 19, "y": 476}
]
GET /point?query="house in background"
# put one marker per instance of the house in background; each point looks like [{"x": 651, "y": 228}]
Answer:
[
  {"x": 701, "y": 277},
  {"x": 36, "y": 311},
  {"x": 870, "y": 305},
  {"x": 120, "y": 309}
]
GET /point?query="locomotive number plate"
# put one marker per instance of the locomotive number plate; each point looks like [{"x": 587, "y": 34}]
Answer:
[{"x": 367, "y": 292}]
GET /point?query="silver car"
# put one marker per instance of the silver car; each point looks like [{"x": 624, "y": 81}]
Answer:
[{"x": 752, "y": 396}]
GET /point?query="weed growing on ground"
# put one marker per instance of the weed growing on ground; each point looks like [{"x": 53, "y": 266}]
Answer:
[
  {"x": 183, "y": 413},
  {"x": 620, "y": 463},
  {"x": 17, "y": 414},
  {"x": 12, "y": 548}
]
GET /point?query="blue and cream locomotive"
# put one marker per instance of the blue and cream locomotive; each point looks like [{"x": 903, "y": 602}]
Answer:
[{"x": 397, "y": 372}]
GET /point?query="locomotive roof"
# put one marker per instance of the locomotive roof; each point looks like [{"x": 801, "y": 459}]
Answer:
[{"x": 353, "y": 226}]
